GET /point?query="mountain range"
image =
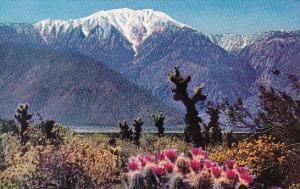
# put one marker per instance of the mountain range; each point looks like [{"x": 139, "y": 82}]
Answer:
[{"x": 114, "y": 64}]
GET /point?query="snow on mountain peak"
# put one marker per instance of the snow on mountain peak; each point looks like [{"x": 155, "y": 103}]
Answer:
[{"x": 135, "y": 25}]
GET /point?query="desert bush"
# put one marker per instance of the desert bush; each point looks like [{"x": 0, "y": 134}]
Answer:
[
  {"x": 151, "y": 143},
  {"x": 8, "y": 126},
  {"x": 170, "y": 169},
  {"x": 280, "y": 115},
  {"x": 73, "y": 163},
  {"x": 266, "y": 157}
]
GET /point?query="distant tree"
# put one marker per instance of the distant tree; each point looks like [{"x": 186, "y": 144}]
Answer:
[
  {"x": 193, "y": 128},
  {"x": 280, "y": 114},
  {"x": 237, "y": 114},
  {"x": 159, "y": 123}
]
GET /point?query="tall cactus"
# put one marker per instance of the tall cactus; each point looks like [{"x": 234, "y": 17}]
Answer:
[
  {"x": 159, "y": 123},
  {"x": 22, "y": 116},
  {"x": 214, "y": 125},
  {"x": 137, "y": 129},
  {"x": 125, "y": 131},
  {"x": 193, "y": 129}
]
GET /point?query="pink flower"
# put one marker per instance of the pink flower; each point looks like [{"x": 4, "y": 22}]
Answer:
[
  {"x": 171, "y": 154},
  {"x": 149, "y": 158},
  {"x": 198, "y": 152},
  {"x": 208, "y": 164},
  {"x": 216, "y": 171},
  {"x": 168, "y": 167},
  {"x": 158, "y": 170},
  {"x": 133, "y": 165},
  {"x": 160, "y": 156},
  {"x": 230, "y": 174},
  {"x": 229, "y": 164},
  {"x": 242, "y": 170},
  {"x": 195, "y": 165},
  {"x": 246, "y": 178}
]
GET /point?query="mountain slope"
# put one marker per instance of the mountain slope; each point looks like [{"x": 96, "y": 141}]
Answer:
[
  {"x": 144, "y": 45},
  {"x": 71, "y": 88},
  {"x": 219, "y": 71},
  {"x": 276, "y": 51}
]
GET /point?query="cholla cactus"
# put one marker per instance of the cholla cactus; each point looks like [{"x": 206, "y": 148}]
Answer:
[
  {"x": 159, "y": 123},
  {"x": 213, "y": 125},
  {"x": 228, "y": 139},
  {"x": 193, "y": 129},
  {"x": 137, "y": 129},
  {"x": 22, "y": 116},
  {"x": 125, "y": 131},
  {"x": 170, "y": 169}
]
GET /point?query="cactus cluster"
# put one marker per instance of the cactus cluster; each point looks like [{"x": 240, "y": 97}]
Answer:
[
  {"x": 131, "y": 134},
  {"x": 23, "y": 117},
  {"x": 170, "y": 169},
  {"x": 193, "y": 129},
  {"x": 158, "y": 120}
]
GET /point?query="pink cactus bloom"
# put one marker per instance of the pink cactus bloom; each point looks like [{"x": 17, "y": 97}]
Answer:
[
  {"x": 198, "y": 152},
  {"x": 143, "y": 161},
  {"x": 229, "y": 164},
  {"x": 133, "y": 165},
  {"x": 230, "y": 174},
  {"x": 168, "y": 167},
  {"x": 160, "y": 156},
  {"x": 242, "y": 170},
  {"x": 158, "y": 170},
  {"x": 208, "y": 164},
  {"x": 171, "y": 154},
  {"x": 216, "y": 171},
  {"x": 195, "y": 165},
  {"x": 246, "y": 178},
  {"x": 149, "y": 158}
]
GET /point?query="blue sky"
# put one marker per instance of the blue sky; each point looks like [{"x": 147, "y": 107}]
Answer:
[{"x": 211, "y": 16}]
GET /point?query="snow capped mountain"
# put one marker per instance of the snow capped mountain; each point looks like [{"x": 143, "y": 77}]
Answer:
[
  {"x": 134, "y": 25},
  {"x": 235, "y": 43},
  {"x": 231, "y": 42}
]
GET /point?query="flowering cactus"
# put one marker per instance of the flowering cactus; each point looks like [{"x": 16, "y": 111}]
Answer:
[{"x": 169, "y": 169}]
